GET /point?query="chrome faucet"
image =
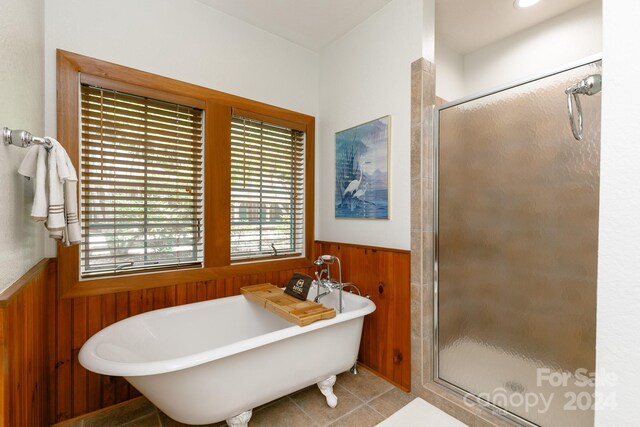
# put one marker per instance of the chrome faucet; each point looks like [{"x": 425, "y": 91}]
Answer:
[
  {"x": 322, "y": 283},
  {"x": 328, "y": 284}
]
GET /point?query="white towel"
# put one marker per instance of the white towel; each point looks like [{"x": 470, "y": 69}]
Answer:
[
  {"x": 56, "y": 222},
  {"x": 34, "y": 166},
  {"x": 56, "y": 200},
  {"x": 73, "y": 234},
  {"x": 62, "y": 222}
]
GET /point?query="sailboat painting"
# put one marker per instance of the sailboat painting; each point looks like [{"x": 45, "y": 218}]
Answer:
[{"x": 362, "y": 170}]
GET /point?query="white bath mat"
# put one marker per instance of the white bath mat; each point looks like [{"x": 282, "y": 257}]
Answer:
[{"x": 419, "y": 413}]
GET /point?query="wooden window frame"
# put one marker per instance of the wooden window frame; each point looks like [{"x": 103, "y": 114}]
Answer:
[
  {"x": 263, "y": 120},
  {"x": 74, "y": 69}
]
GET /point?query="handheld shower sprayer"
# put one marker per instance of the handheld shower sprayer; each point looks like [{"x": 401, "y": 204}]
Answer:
[
  {"x": 588, "y": 86},
  {"x": 329, "y": 260}
]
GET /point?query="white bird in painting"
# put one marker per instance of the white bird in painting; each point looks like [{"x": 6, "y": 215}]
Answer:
[
  {"x": 353, "y": 185},
  {"x": 360, "y": 192},
  {"x": 360, "y": 195}
]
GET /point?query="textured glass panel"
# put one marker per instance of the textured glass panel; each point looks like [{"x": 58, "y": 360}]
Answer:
[{"x": 517, "y": 249}]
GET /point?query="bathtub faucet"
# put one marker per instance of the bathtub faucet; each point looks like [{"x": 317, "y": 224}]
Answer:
[
  {"x": 328, "y": 284},
  {"x": 325, "y": 284}
]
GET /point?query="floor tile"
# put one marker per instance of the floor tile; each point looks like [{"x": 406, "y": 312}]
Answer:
[
  {"x": 150, "y": 420},
  {"x": 305, "y": 408},
  {"x": 121, "y": 414},
  {"x": 166, "y": 421},
  {"x": 76, "y": 422},
  {"x": 364, "y": 416},
  {"x": 269, "y": 404},
  {"x": 282, "y": 413},
  {"x": 365, "y": 385},
  {"x": 391, "y": 401},
  {"x": 314, "y": 404},
  {"x": 420, "y": 412}
]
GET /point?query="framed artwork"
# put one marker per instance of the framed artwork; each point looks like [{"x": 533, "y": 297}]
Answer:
[{"x": 362, "y": 170}]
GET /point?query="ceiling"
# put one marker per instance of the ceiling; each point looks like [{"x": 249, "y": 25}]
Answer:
[
  {"x": 309, "y": 23},
  {"x": 468, "y": 25}
]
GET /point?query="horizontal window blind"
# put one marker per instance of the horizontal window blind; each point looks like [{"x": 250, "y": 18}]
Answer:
[
  {"x": 267, "y": 190},
  {"x": 141, "y": 183}
]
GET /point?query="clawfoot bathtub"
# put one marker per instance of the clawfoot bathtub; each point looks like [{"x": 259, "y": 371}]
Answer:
[{"x": 216, "y": 360}]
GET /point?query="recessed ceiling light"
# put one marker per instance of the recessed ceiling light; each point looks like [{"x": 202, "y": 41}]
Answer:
[{"x": 521, "y": 4}]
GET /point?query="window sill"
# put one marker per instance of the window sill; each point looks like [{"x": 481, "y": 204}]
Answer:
[
  {"x": 246, "y": 261},
  {"x": 133, "y": 282}
]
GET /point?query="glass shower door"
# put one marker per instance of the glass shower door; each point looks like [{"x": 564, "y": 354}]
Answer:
[{"x": 517, "y": 227}]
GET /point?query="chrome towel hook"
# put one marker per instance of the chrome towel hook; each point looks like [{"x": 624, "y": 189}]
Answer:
[{"x": 587, "y": 86}]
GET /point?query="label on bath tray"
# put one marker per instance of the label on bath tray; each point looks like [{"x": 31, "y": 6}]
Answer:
[
  {"x": 274, "y": 299},
  {"x": 299, "y": 286}
]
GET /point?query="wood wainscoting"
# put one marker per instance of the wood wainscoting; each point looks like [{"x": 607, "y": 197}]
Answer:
[
  {"x": 26, "y": 324},
  {"x": 384, "y": 275}
]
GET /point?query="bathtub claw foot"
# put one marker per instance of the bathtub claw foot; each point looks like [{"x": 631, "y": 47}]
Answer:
[
  {"x": 240, "y": 420},
  {"x": 326, "y": 387}
]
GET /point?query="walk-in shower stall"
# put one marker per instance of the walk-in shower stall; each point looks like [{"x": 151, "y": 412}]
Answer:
[{"x": 516, "y": 220}]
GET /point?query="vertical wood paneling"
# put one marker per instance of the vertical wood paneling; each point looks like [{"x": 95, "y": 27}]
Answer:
[
  {"x": 51, "y": 309},
  {"x": 122, "y": 392},
  {"x": 158, "y": 298},
  {"x": 384, "y": 275},
  {"x": 94, "y": 382},
  {"x": 64, "y": 346},
  {"x": 170, "y": 296},
  {"x": 181, "y": 294},
  {"x": 385, "y": 339},
  {"x": 147, "y": 302},
  {"x": 108, "y": 318},
  {"x": 78, "y": 373},
  {"x": 25, "y": 314},
  {"x": 4, "y": 369}
]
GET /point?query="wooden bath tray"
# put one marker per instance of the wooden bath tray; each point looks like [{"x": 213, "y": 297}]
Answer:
[{"x": 289, "y": 308}]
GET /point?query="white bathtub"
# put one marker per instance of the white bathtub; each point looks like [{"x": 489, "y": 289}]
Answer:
[{"x": 206, "y": 362}]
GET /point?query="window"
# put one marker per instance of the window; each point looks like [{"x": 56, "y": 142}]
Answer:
[
  {"x": 267, "y": 190},
  {"x": 141, "y": 190},
  {"x": 179, "y": 183}
]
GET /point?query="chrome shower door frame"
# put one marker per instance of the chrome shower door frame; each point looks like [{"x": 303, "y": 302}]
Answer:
[{"x": 466, "y": 396}]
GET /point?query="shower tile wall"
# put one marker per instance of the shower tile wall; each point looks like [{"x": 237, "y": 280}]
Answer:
[{"x": 422, "y": 100}]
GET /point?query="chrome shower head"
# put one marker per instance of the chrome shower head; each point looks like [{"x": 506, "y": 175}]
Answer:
[
  {"x": 324, "y": 259},
  {"x": 590, "y": 85}
]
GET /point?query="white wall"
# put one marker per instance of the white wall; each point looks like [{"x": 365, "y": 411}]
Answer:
[
  {"x": 566, "y": 38},
  {"x": 428, "y": 30},
  {"x": 21, "y": 107},
  {"x": 185, "y": 40},
  {"x": 450, "y": 78},
  {"x": 364, "y": 75},
  {"x": 618, "y": 307},
  {"x": 569, "y": 37}
]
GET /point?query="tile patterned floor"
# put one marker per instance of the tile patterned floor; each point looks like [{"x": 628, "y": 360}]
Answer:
[{"x": 364, "y": 400}]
